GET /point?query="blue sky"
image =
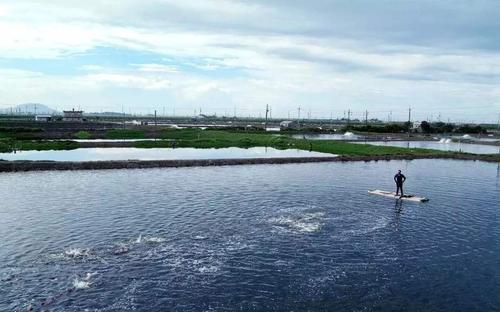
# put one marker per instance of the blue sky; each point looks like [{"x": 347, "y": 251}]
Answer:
[{"x": 442, "y": 58}]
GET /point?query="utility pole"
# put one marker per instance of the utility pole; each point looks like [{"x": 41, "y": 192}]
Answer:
[
  {"x": 409, "y": 120},
  {"x": 366, "y": 117},
  {"x": 298, "y": 117},
  {"x": 156, "y": 123},
  {"x": 348, "y": 117},
  {"x": 331, "y": 121},
  {"x": 267, "y": 111}
]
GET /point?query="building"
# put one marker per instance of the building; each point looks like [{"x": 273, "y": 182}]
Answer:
[
  {"x": 45, "y": 118},
  {"x": 73, "y": 115},
  {"x": 289, "y": 124},
  {"x": 416, "y": 126}
]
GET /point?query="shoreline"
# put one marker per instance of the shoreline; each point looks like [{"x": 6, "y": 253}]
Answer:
[{"x": 23, "y": 166}]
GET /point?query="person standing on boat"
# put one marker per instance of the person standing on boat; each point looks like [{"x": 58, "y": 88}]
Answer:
[{"x": 399, "y": 178}]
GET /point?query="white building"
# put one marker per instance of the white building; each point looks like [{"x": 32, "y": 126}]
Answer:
[{"x": 44, "y": 118}]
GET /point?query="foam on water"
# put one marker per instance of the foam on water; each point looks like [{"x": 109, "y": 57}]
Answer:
[
  {"x": 83, "y": 283},
  {"x": 76, "y": 252},
  {"x": 154, "y": 239},
  {"x": 305, "y": 223},
  {"x": 149, "y": 239}
]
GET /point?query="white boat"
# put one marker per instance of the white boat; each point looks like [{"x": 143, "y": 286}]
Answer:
[{"x": 393, "y": 195}]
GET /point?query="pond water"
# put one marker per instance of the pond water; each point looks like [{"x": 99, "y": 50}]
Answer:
[
  {"x": 442, "y": 146},
  {"x": 327, "y": 136},
  {"x": 260, "y": 238},
  {"x": 112, "y": 140},
  {"x": 124, "y": 153}
]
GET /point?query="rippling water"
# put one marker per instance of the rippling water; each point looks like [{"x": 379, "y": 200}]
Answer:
[{"x": 258, "y": 238}]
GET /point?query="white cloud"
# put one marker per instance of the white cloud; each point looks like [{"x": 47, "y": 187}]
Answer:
[
  {"x": 129, "y": 81},
  {"x": 273, "y": 54},
  {"x": 156, "y": 68}
]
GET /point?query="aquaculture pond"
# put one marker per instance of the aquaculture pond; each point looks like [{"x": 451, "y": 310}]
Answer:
[
  {"x": 328, "y": 136},
  {"x": 124, "y": 153},
  {"x": 442, "y": 146},
  {"x": 304, "y": 237}
]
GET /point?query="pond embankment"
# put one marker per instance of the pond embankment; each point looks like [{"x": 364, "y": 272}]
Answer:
[{"x": 17, "y": 166}]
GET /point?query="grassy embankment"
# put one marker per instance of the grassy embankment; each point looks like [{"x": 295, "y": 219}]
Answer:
[
  {"x": 8, "y": 145},
  {"x": 125, "y": 134},
  {"x": 20, "y": 139},
  {"x": 227, "y": 138},
  {"x": 220, "y": 139}
]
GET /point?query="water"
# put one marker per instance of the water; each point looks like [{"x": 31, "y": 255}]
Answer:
[
  {"x": 259, "y": 238},
  {"x": 476, "y": 138},
  {"x": 442, "y": 146},
  {"x": 124, "y": 153},
  {"x": 324, "y": 136},
  {"x": 112, "y": 140}
]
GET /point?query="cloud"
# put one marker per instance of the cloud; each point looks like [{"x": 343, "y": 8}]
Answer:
[
  {"x": 325, "y": 55},
  {"x": 156, "y": 68}
]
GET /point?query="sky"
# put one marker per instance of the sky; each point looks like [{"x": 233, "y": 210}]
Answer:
[{"x": 441, "y": 58}]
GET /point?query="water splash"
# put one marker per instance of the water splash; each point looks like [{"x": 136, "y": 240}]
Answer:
[
  {"x": 139, "y": 239},
  {"x": 149, "y": 239},
  {"x": 445, "y": 141},
  {"x": 76, "y": 252},
  {"x": 154, "y": 239},
  {"x": 83, "y": 283}
]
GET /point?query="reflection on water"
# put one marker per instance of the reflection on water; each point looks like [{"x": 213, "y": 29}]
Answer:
[
  {"x": 324, "y": 136},
  {"x": 112, "y": 140},
  {"x": 302, "y": 237},
  {"x": 124, "y": 153},
  {"x": 442, "y": 146}
]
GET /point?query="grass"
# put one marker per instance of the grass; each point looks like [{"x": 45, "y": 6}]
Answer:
[
  {"x": 197, "y": 138},
  {"x": 124, "y": 134},
  {"x": 83, "y": 135},
  {"x": 21, "y": 133},
  {"x": 10, "y": 145},
  {"x": 219, "y": 139}
]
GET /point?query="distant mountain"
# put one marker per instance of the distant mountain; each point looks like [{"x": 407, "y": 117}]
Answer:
[{"x": 30, "y": 108}]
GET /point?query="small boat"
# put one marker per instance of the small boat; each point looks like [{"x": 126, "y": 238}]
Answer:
[{"x": 393, "y": 195}]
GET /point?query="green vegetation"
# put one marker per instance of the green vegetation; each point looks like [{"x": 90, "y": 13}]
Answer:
[
  {"x": 124, "y": 134},
  {"x": 82, "y": 135},
  {"x": 9, "y": 145},
  {"x": 219, "y": 139},
  {"x": 389, "y": 128},
  {"x": 198, "y": 138},
  {"x": 18, "y": 132},
  {"x": 441, "y": 127}
]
